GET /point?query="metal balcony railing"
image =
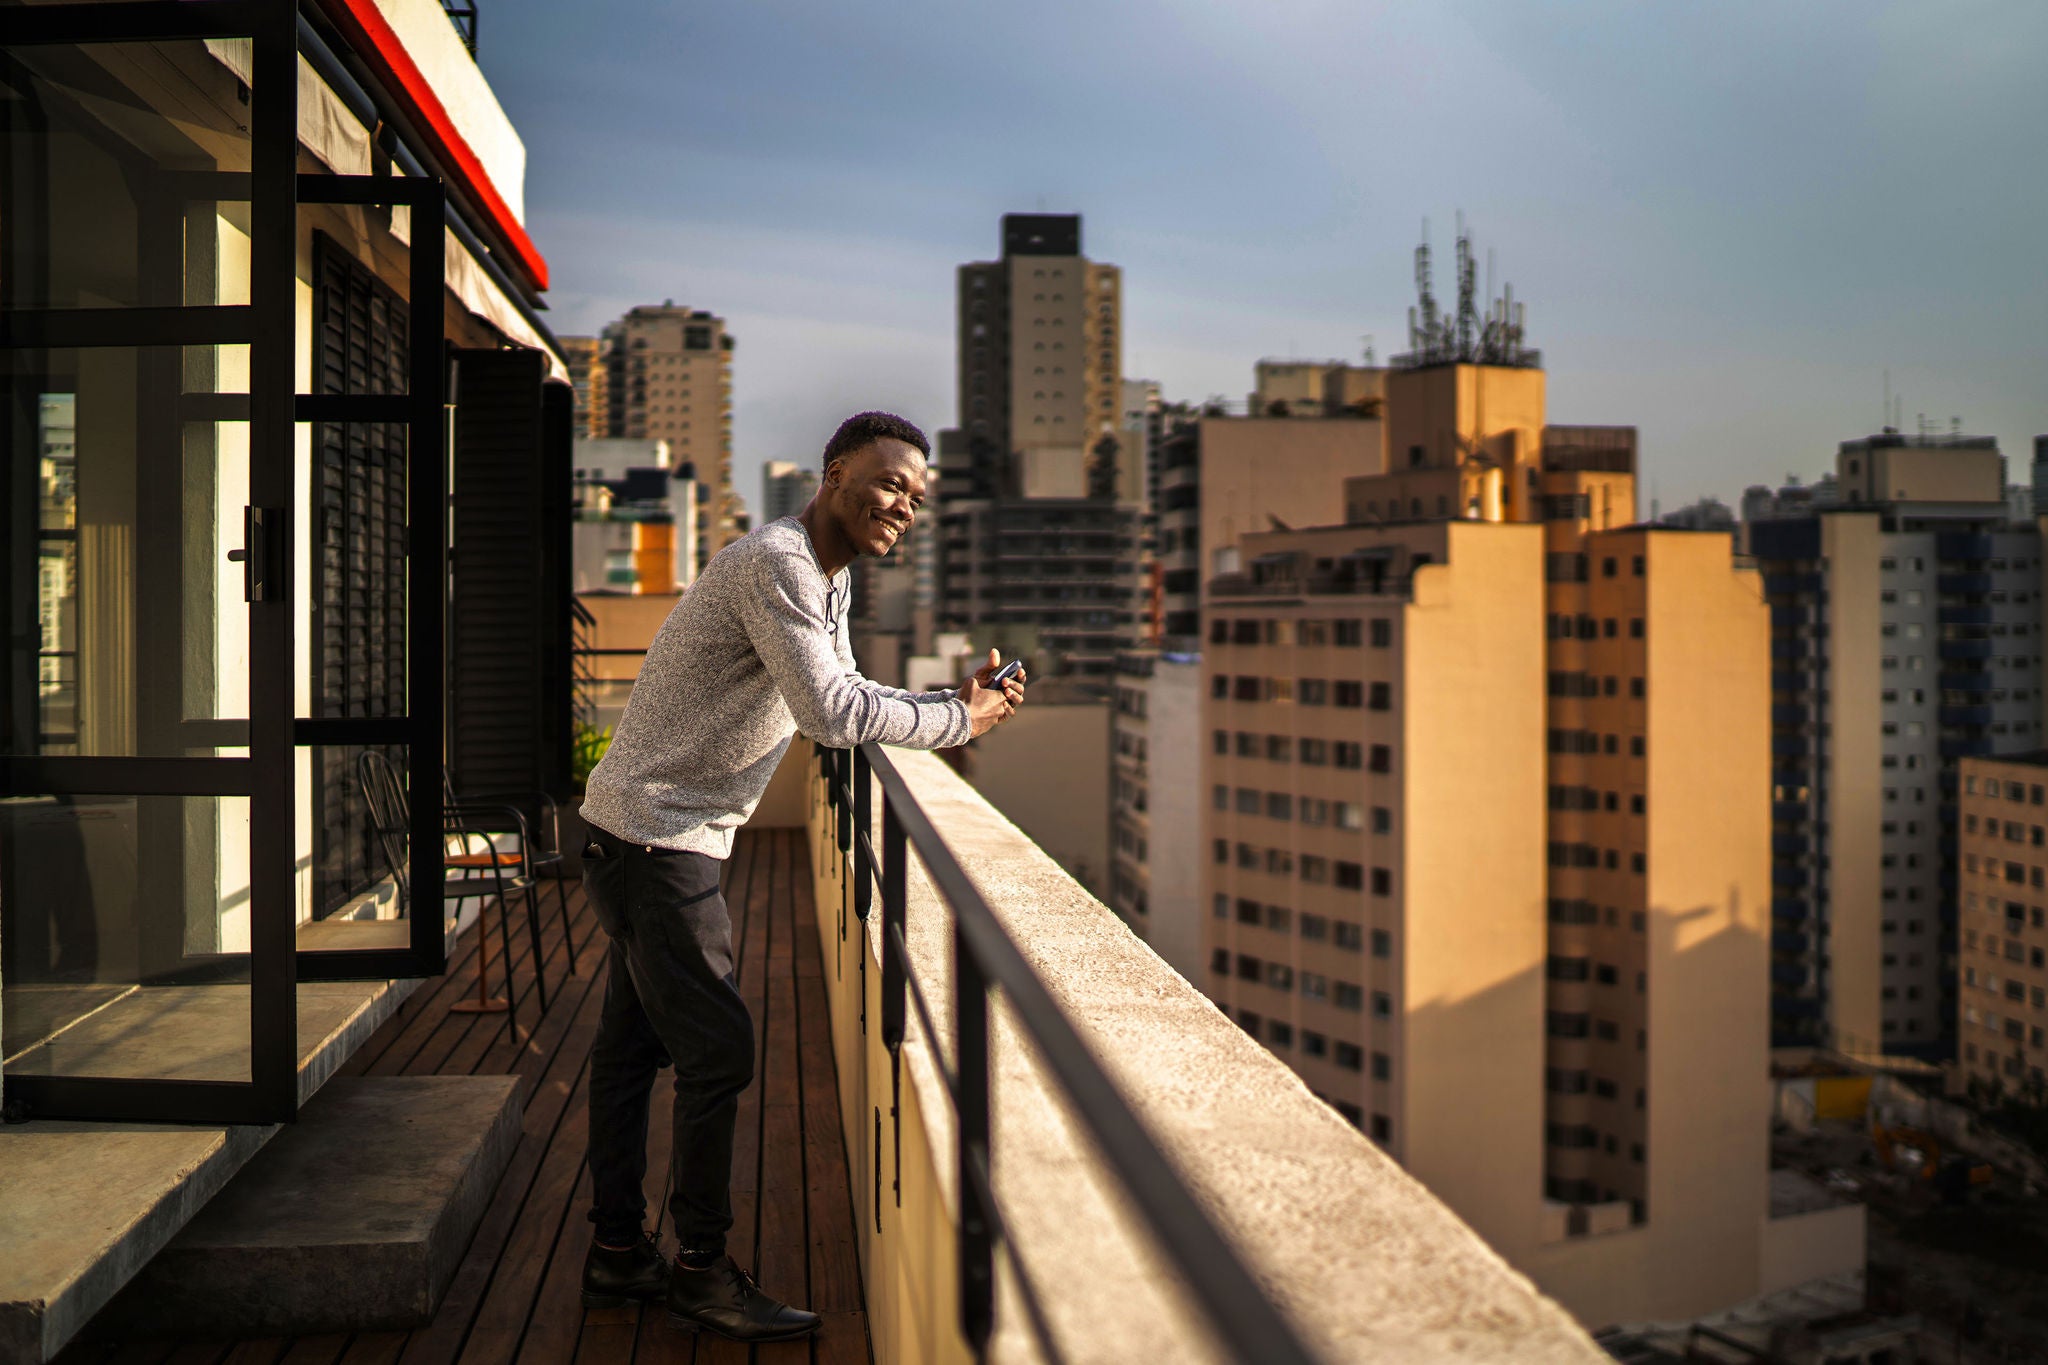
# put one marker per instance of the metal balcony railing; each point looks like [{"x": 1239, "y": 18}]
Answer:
[{"x": 985, "y": 957}]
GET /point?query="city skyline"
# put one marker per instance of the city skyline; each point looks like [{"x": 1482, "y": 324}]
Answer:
[{"x": 1726, "y": 227}]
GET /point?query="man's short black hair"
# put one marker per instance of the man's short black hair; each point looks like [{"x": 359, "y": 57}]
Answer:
[{"x": 865, "y": 428}]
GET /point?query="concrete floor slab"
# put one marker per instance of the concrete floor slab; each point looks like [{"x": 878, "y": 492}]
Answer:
[
  {"x": 201, "y": 1033},
  {"x": 354, "y": 1218},
  {"x": 83, "y": 1206},
  {"x": 86, "y": 1205}
]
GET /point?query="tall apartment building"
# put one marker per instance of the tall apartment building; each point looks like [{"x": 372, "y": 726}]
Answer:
[
  {"x": 1040, "y": 504},
  {"x": 1482, "y": 849},
  {"x": 2002, "y": 1016},
  {"x": 590, "y": 377},
  {"x": 1217, "y": 478},
  {"x": 785, "y": 489},
  {"x": 670, "y": 379},
  {"x": 1906, "y": 635}
]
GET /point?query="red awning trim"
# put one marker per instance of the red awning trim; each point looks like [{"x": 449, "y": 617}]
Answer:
[{"x": 375, "y": 42}]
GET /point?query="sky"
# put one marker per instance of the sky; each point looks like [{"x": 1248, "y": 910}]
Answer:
[{"x": 1727, "y": 221}]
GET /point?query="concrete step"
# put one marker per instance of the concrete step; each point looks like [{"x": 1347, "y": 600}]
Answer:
[
  {"x": 83, "y": 1205},
  {"x": 354, "y": 1218}
]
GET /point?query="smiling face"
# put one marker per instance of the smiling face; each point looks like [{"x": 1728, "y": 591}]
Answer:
[{"x": 874, "y": 494}]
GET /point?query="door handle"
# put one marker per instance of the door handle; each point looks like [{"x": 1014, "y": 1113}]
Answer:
[{"x": 262, "y": 531}]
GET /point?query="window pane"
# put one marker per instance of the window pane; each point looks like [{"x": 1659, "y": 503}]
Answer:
[
  {"x": 126, "y": 920},
  {"x": 97, "y": 195},
  {"x": 354, "y": 886},
  {"x": 135, "y": 638}
]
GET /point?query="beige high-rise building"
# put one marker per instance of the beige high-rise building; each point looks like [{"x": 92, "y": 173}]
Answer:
[
  {"x": 671, "y": 380},
  {"x": 2002, "y": 1011},
  {"x": 1907, "y": 614},
  {"x": 590, "y": 376},
  {"x": 1218, "y": 478},
  {"x": 1040, "y": 356},
  {"x": 1488, "y": 851},
  {"x": 1039, "y": 533}
]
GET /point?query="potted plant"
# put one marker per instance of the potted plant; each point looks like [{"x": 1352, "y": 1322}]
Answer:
[{"x": 585, "y": 750}]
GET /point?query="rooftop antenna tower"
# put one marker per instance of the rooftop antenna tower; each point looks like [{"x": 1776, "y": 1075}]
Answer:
[
  {"x": 1464, "y": 335},
  {"x": 1422, "y": 320},
  {"x": 1468, "y": 312}
]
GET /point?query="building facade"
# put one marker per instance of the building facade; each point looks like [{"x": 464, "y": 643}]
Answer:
[
  {"x": 671, "y": 380},
  {"x": 636, "y": 520},
  {"x": 2002, "y": 999},
  {"x": 785, "y": 489},
  {"x": 1040, "y": 514},
  {"x": 1906, "y": 635},
  {"x": 1480, "y": 847},
  {"x": 1216, "y": 479},
  {"x": 590, "y": 377}
]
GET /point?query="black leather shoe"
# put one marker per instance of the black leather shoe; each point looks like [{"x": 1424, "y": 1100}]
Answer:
[
  {"x": 612, "y": 1279},
  {"x": 724, "y": 1299}
]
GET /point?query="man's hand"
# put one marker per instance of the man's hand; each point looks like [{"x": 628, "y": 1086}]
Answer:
[{"x": 988, "y": 707}]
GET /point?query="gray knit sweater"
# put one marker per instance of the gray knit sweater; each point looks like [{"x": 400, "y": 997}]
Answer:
[{"x": 754, "y": 652}]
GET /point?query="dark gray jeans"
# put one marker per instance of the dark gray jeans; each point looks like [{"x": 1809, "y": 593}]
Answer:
[{"x": 670, "y": 998}]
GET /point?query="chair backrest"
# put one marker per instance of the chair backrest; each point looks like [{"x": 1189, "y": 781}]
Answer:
[{"x": 390, "y": 815}]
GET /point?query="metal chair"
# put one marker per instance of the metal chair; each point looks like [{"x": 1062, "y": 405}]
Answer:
[
  {"x": 487, "y": 873},
  {"x": 506, "y": 813}
]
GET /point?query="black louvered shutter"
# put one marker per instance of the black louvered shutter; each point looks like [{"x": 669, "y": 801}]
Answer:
[
  {"x": 358, "y": 557},
  {"x": 509, "y": 671}
]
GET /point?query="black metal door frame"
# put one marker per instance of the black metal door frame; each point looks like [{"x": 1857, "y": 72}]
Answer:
[
  {"x": 422, "y": 410},
  {"x": 267, "y": 777}
]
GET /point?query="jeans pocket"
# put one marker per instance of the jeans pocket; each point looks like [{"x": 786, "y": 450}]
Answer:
[{"x": 604, "y": 882}]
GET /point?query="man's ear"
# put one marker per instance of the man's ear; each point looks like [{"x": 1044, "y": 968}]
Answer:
[{"x": 835, "y": 470}]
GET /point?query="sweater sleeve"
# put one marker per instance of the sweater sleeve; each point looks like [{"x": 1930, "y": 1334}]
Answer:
[
  {"x": 846, "y": 661},
  {"x": 829, "y": 702}
]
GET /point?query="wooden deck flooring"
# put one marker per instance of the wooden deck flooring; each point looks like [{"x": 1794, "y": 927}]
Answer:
[{"x": 515, "y": 1297}]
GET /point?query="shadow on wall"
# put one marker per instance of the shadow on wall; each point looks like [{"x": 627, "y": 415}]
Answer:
[{"x": 1481, "y": 1112}]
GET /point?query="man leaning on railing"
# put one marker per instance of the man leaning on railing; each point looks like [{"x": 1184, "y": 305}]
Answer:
[{"x": 755, "y": 652}]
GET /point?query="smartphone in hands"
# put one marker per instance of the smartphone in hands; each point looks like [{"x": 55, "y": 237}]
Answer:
[{"x": 1006, "y": 672}]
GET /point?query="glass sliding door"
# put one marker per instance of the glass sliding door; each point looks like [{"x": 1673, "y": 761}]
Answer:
[
  {"x": 373, "y": 494},
  {"x": 146, "y": 806},
  {"x": 195, "y": 550}
]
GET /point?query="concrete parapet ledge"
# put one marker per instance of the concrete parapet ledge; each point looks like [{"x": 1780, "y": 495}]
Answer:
[{"x": 1359, "y": 1255}]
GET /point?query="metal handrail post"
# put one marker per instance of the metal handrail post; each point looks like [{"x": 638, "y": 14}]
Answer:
[
  {"x": 895, "y": 906},
  {"x": 864, "y": 821},
  {"x": 977, "y": 1237}
]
